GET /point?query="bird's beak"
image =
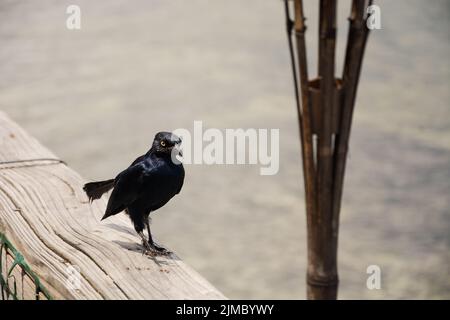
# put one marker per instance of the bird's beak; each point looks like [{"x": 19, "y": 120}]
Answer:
[
  {"x": 177, "y": 148},
  {"x": 177, "y": 142},
  {"x": 175, "y": 139}
]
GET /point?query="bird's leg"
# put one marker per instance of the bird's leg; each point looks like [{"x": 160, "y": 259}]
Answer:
[
  {"x": 155, "y": 248},
  {"x": 145, "y": 244}
]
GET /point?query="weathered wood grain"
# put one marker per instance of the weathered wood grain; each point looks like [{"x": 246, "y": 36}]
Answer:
[{"x": 46, "y": 215}]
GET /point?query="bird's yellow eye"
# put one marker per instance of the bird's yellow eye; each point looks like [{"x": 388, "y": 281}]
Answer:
[{"x": 163, "y": 143}]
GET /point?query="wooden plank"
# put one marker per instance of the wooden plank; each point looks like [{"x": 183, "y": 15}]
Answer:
[{"x": 46, "y": 215}]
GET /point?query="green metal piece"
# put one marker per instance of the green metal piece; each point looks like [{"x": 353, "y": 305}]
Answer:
[{"x": 6, "y": 248}]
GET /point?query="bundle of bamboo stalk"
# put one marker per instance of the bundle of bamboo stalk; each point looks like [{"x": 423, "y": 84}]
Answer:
[{"x": 325, "y": 111}]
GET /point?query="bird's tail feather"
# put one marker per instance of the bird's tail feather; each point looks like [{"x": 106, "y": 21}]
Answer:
[{"x": 95, "y": 190}]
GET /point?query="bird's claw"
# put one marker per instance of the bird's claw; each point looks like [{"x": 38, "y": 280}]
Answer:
[
  {"x": 154, "y": 250},
  {"x": 162, "y": 251}
]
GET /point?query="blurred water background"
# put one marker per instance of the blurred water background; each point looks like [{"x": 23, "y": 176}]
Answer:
[{"x": 98, "y": 95}]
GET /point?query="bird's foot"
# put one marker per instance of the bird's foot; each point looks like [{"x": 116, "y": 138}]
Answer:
[
  {"x": 146, "y": 249},
  {"x": 161, "y": 250},
  {"x": 154, "y": 250}
]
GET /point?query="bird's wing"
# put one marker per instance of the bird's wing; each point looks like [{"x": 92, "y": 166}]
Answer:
[
  {"x": 128, "y": 185},
  {"x": 182, "y": 180},
  {"x": 138, "y": 159}
]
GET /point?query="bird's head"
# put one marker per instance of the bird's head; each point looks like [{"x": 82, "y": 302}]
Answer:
[{"x": 166, "y": 143}]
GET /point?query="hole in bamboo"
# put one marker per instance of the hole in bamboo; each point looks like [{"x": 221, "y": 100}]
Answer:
[{"x": 314, "y": 93}]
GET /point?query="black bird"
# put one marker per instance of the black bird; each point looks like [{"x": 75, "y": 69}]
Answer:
[{"x": 145, "y": 186}]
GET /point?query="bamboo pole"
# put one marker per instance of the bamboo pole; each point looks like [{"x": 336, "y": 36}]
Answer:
[
  {"x": 326, "y": 113},
  {"x": 307, "y": 140},
  {"x": 322, "y": 268},
  {"x": 356, "y": 43}
]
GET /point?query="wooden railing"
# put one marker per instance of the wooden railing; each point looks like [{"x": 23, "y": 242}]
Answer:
[{"x": 46, "y": 216}]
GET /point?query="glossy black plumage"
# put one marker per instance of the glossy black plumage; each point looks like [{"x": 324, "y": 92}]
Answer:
[{"x": 145, "y": 186}]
